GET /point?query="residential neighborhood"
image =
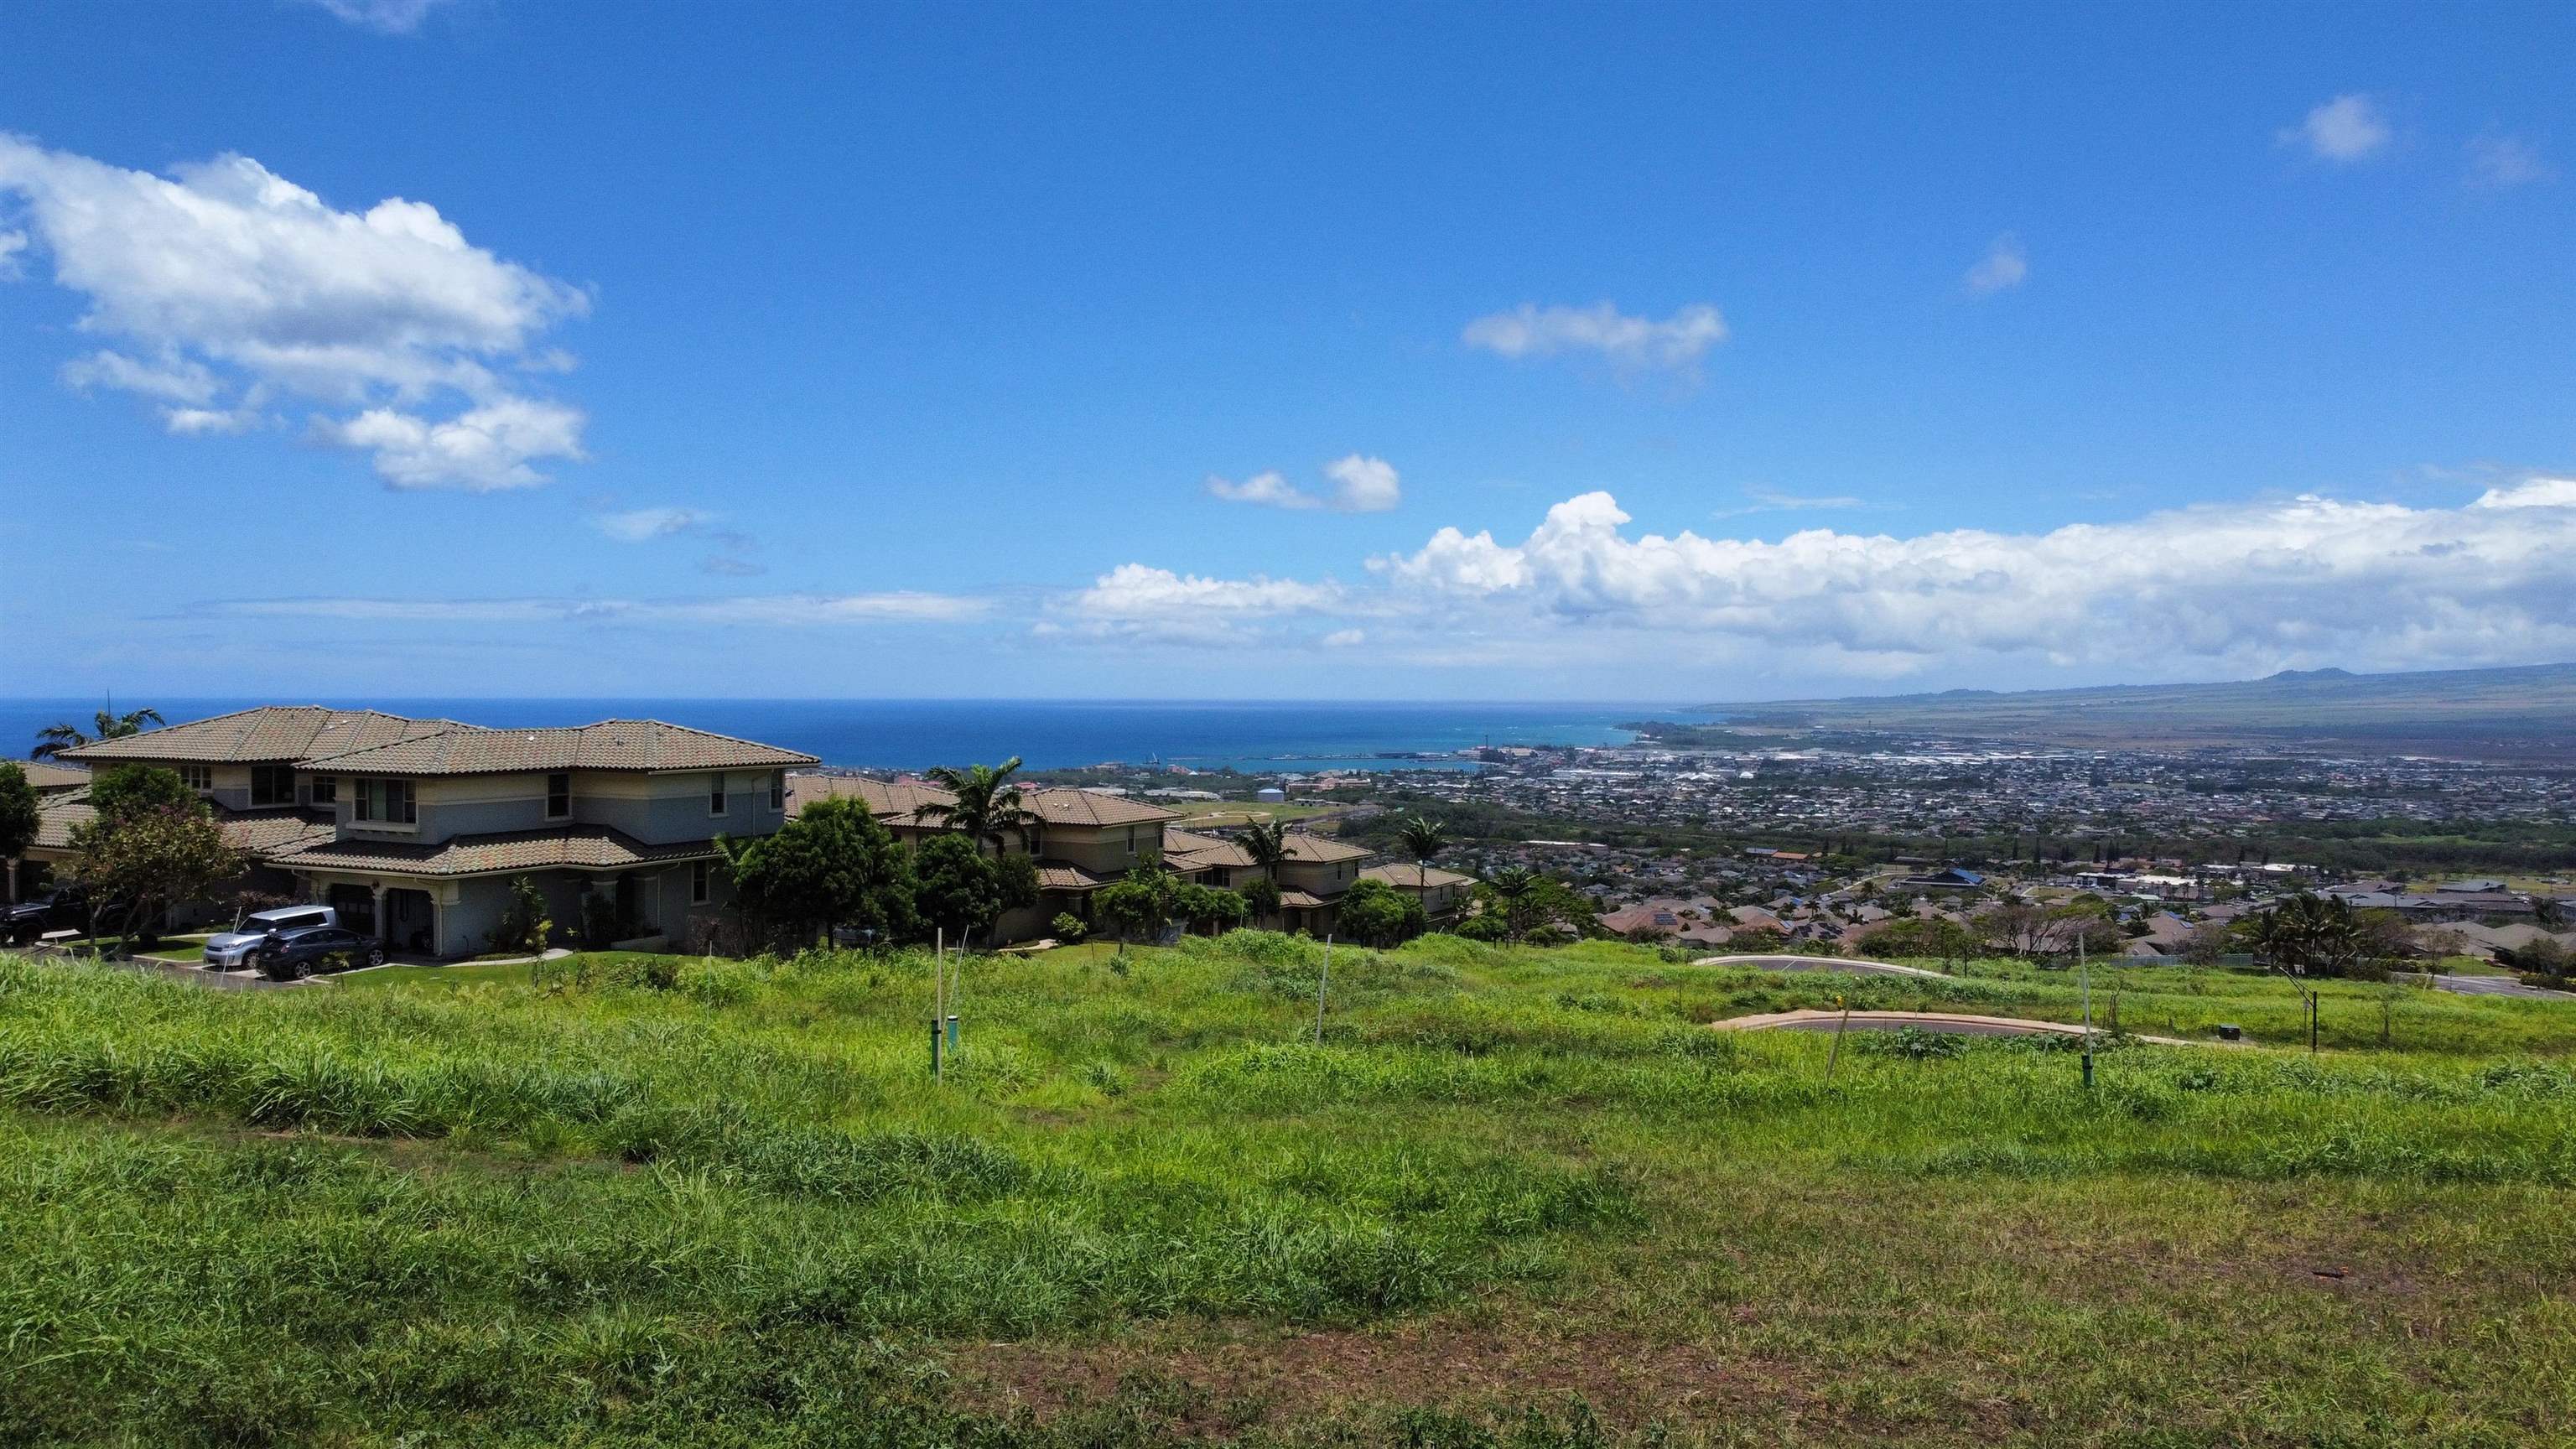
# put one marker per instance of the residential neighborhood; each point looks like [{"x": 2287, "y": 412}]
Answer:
[{"x": 413, "y": 829}]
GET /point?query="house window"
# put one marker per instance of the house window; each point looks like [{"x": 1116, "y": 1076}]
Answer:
[
  {"x": 715, "y": 794},
  {"x": 558, "y": 796},
  {"x": 326, "y": 789},
  {"x": 778, "y": 789},
  {"x": 698, "y": 874},
  {"x": 272, "y": 784},
  {"x": 197, "y": 777},
  {"x": 387, "y": 802},
  {"x": 1131, "y": 840}
]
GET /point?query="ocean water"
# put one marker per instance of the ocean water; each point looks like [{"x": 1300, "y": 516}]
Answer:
[{"x": 1299, "y": 735}]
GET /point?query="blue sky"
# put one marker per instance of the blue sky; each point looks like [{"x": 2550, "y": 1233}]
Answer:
[{"x": 1415, "y": 352}]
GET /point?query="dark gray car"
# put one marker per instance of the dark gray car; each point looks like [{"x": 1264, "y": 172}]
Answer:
[{"x": 293, "y": 955}]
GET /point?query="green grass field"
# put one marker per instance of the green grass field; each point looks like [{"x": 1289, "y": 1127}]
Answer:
[{"x": 1515, "y": 1198}]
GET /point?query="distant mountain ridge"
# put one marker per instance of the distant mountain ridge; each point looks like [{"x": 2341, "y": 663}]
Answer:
[{"x": 2520, "y": 712}]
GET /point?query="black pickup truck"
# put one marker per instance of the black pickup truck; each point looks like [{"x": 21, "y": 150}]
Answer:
[{"x": 64, "y": 908}]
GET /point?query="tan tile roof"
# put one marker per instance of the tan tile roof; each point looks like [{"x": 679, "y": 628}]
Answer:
[
  {"x": 1057, "y": 875},
  {"x": 56, "y": 814},
  {"x": 265, "y": 833},
  {"x": 272, "y": 833},
  {"x": 613, "y": 744},
  {"x": 893, "y": 801},
  {"x": 369, "y": 742},
  {"x": 1322, "y": 850},
  {"x": 1189, "y": 850},
  {"x": 580, "y": 847},
  {"x": 1300, "y": 899},
  {"x": 1647, "y": 917},
  {"x": 1091, "y": 807},
  {"x": 269, "y": 734},
  {"x": 46, "y": 775},
  {"x": 1410, "y": 876}
]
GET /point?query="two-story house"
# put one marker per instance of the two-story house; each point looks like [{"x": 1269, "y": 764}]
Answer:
[
  {"x": 1083, "y": 839},
  {"x": 1086, "y": 839},
  {"x": 1443, "y": 893},
  {"x": 415, "y": 829}
]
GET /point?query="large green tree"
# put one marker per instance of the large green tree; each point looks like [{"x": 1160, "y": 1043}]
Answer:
[
  {"x": 2310, "y": 935},
  {"x": 18, "y": 816},
  {"x": 140, "y": 860},
  {"x": 1937, "y": 937},
  {"x": 831, "y": 868},
  {"x": 53, "y": 739},
  {"x": 987, "y": 806},
  {"x": 1521, "y": 901},
  {"x": 1374, "y": 913},
  {"x": 132, "y": 789},
  {"x": 1211, "y": 908},
  {"x": 1141, "y": 904},
  {"x": 961, "y": 890}
]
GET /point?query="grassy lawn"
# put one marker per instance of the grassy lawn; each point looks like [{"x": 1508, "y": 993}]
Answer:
[{"x": 1515, "y": 1198}]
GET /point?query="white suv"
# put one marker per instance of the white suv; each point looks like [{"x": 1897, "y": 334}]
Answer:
[{"x": 230, "y": 950}]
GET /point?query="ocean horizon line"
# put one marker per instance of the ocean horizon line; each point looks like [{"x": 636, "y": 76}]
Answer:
[{"x": 1252, "y": 736}]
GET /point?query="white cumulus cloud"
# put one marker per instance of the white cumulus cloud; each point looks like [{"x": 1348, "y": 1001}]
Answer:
[
  {"x": 483, "y": 448},
  {"x": 1139, "y": 591},
  {"x": 2346, "y": 129},
  {"x": 1141, "y": 602},
  {"x": 2003, "y": 267},
  {"x": 1360, "y": 485},
  {"x": 1529, "y": 330},
  {"x": 2306, "y": 577},
  {"x": 1364, "y": 485},
  {"x": 223, "y": 288}
]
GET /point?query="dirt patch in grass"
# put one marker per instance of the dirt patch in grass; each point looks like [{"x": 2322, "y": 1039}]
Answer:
[{"x": 1226, "y": 1378}]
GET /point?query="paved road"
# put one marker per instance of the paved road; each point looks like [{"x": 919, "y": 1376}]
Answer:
[
  {"x": 1821, "y": 963},
  {"x": 2498, "y": 986},
  {"x": 1954, "y": 1023}
]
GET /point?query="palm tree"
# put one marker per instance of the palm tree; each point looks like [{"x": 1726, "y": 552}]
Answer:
[
  {"x": 1422, "y": 838},
  {"x": 985, "y": 804},
  {"x": 1512, "y": 887},
  {"x": 2302, "y": 933},
  {"x": 1266, "y": 841},
  {"x": 53, "y": 739},
  {"x": 2279, "y": 935}
]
